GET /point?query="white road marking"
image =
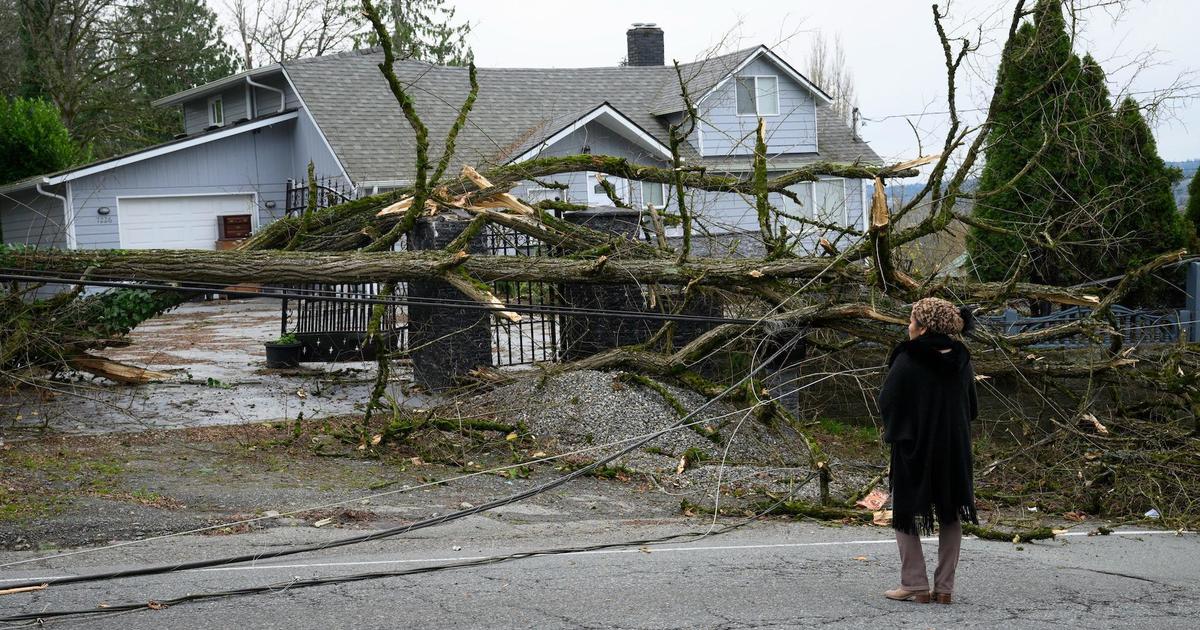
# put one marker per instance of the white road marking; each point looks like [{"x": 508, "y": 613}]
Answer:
[{"x": 598, "y": 552}]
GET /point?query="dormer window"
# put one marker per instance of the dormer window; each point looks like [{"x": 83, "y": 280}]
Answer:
[
  {"x": 757, "y": 95},
  {"x": 216, "y": 112}
]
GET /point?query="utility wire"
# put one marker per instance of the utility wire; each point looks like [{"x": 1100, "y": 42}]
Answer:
[
  {"x": 109, "y": 609},
  {"x": 422, "y": 524},
  {"x": 489, "y": 471}
]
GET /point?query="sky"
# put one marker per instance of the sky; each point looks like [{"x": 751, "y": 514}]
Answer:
[{"x": 891, "y": 47}]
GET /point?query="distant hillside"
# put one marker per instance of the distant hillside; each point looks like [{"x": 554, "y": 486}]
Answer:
[
  {"x": 899, "y": 193},
  {"x": 1189, "y": 169}
]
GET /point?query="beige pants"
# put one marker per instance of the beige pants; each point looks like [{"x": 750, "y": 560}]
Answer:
[{"x": 912, "y": 561}]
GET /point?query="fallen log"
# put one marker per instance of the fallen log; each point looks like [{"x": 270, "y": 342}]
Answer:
[{"x": 296, "y": 267}]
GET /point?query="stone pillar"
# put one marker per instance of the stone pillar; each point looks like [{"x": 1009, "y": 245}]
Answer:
[
  {"x": 782, "y": 376},
  {"x": 582, "y": 335},
  {"x": 446, "y": 342}
]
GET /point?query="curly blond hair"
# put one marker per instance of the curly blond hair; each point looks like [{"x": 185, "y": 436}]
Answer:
[{"x": 938, "y": 315}]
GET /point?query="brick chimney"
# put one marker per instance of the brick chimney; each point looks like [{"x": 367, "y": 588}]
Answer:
[{"x": 645, "y": 45}]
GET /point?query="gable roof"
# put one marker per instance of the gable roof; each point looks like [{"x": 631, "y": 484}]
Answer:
[
  {"x": 517, "y": 109},
  {"x": 707, "y": 75},
  {"x": 606, "y": 115}
]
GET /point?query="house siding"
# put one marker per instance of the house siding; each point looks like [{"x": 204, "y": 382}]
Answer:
[
  {"x": 30, "y": 218},
  {"x": 233, "y": 104},
  {"x": 266, "y": 102},
  {"x": 729, "y": 212},
  {"x": 601, "y": 141},
  {"x": 258, "y": 161},
  {"x": 233, "y": 99},
  {"x": 719, "y": 213},
  {"x": 310, "y": 146},
  {"x": 724, "y": 132}
]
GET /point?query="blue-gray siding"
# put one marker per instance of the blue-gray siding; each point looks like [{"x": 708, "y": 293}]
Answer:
[
  {"x": 600, "y": 141},
  {"x": 29, "y": 218},
  {"x": 257, "y": 161},
  {"x": 310, "y": 146},
  {"x": 723, "y": 132},
  {"x": 233, "y": 100},
  {"x": 233, "y": 104},
  {"x": 717, "y": 212}
]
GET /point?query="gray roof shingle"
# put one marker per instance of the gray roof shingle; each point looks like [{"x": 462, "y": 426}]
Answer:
[{"x": 516, "y": 108}]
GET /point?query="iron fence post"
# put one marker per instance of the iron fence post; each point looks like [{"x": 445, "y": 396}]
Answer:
[{"x": 1191, "y": 312}]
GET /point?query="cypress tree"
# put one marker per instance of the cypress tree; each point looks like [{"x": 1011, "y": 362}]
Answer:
[
  {"x": 1038, "y": 97},
  {"x": 1098, "y": 191},
  {"x": 1193, "y": 204},
  {"x": 1144, "y": 220}
]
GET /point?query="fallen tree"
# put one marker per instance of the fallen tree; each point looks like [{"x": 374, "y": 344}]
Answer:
[{"x": 856, "y": 291}]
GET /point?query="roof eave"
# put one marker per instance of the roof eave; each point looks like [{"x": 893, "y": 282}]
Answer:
[
  {"x": 26, "y": 184},
  {"x": 232, "y": 79}
]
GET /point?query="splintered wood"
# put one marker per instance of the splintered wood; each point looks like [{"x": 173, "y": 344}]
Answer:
[{"x": 465, "y": 202}]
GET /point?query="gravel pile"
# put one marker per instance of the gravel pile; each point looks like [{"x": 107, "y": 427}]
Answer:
[{"x": 582, "y": 409}]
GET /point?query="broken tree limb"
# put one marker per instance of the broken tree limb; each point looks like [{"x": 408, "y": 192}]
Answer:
[
  {"x": 114, "y": 370},
  {"x": 481, "y": 294}
]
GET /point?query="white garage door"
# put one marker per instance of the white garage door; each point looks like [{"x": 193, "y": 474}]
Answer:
[{"x": 177, "y": 222}]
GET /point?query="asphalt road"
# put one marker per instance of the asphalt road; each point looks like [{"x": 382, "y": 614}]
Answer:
[{"x": 768, "y": 575}]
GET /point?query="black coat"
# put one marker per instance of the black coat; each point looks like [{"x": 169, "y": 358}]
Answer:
[{"x": 928, "y": 401}]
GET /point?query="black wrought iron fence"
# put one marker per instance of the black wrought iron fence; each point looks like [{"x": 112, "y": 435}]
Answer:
[
  {"x": 330, "y": 192},
  {"x": 333, "y": 329},
  {"x": 535, "y": 337}
]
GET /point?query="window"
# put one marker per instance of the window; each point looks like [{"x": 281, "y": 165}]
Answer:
[
  {"x": 216, "y": 112},
  {"x": 829, "y": 200},
  {"x": 654, "y": 193},
  {"x": 757, "y": 96}
]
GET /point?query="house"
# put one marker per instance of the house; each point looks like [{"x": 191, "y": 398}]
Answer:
[{"x": 248, "y": 135}]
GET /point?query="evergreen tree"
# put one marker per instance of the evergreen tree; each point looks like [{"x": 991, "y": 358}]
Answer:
[
  {"x": 1193, "y": 204},
  {"x": 1037, "y": 103},
  {"x": 33, "y": 140},
  {"x": 1147, "y": 221},
  {"x": 1067, "y": 171},
  {"x": 166, "y": 46},
  {"x": 422, "y": 30}
]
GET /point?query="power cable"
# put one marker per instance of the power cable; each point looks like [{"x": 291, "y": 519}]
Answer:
[
  {"x": 406, "y": 489},
  {"x": 422, "y": 524},
  {"x": 109, "y": 609}
]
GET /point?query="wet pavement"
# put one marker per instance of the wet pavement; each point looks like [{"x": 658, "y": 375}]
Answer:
[{"x": 214, "y": 353}]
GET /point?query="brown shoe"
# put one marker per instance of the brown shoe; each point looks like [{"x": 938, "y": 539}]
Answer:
[
  {"x": 904, "y": 595},
  {"x": 941, "y": 598}
]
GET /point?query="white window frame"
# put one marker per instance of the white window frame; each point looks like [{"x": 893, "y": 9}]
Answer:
[
  {"x": 664, "y": 195},
  {"x": 756, "y": 77},
  {"x": 212, "y": 121},
  {"x": 845, "y": 219}
]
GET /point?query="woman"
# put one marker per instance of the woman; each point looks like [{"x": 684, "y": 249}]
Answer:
[{"x": 928, "y": 402}]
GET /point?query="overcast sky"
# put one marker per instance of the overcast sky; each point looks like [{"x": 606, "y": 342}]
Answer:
[{"x": 891, "y": 46}]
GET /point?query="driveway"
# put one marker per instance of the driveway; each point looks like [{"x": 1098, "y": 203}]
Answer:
[{"x": 214, "y": 353}]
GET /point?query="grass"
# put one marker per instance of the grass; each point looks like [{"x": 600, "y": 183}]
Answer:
[
  {"x": 846, "y": 431},
  {"x": 39, "y": 483}
]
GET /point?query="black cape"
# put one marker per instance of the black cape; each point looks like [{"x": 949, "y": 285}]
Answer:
[{"x": 928, "y": 401}]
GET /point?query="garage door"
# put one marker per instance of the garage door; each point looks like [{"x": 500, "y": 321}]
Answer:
[{"x": 176, "y": 222}]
